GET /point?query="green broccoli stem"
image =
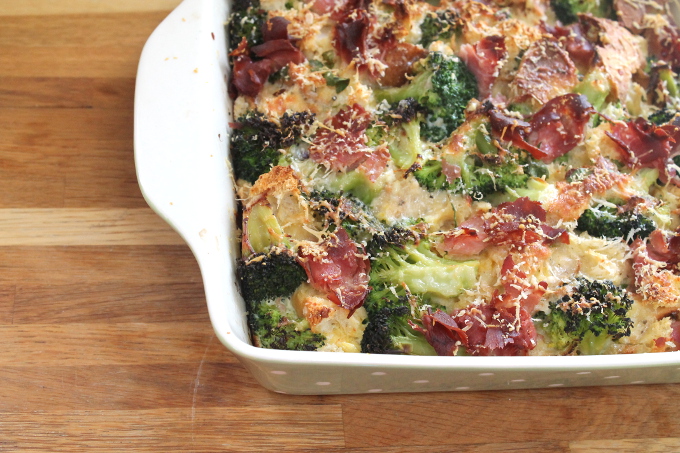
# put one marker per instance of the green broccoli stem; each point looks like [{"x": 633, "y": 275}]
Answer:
[
  {"x": 595, "y": 87},
  {"x": 408, "y": 146}
]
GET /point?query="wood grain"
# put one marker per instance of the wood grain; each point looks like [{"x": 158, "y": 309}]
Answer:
[
  {"x": 106, "y": 341},
  {"x": 230, "y": 429},
  {"x": 67, "y": 92},
  {"x": 89, "y": 226},
  {"x": 41, "y": 8}
]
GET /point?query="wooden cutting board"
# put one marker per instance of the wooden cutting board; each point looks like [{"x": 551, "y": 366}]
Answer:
[{"x": 106, "y": 342}]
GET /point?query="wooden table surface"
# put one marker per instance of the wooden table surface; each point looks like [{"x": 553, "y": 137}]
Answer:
[{"x": 105, "y": 337}]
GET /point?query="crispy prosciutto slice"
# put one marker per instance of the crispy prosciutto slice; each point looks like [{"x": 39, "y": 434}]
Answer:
[
  {"x": 275, "y": 28},
  {"x": 645, "y": 145},
  {"x": 632, "y": 14},
  {"x": 375, "y": 163},
  {"x": 351, "y": 35},
  {"x": 442, "y": 332},
  {"x": 560, "y": 125},
  {"x": 516, "y": 223},
  {"x": 324, "y": 6},
  {"x": 573, "y": 40},
  {"x": 484, "y": 59},
  {"x": 511, "y": 129},
  {"x": 279, "y": 53},
  {"x": 248, "y": 75},
  {"x": 340, "y": 145},
  {"x": 339, "y": 268},
  {"x": 662, "y": 247},
  {"x": 464, "y": 241},
  {"x": 398, "y": 58},
  {"x": 617, "y": 50},
  {"x": 551, "y": 132},
  {"x": 545, "y": 72},
  {"x": 337, "y": 8},
  {"x": 501, "y": 327},
  {"x": 278, "y": 47},
  {"x": 664, "y": 43}
]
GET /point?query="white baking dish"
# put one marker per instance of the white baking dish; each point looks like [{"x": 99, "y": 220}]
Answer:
[{"x": 181, "y": 153}]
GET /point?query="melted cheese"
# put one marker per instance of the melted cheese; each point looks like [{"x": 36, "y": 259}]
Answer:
[
  {"x": 395, "y": 196},
  {"x": 342, "y": 334}
]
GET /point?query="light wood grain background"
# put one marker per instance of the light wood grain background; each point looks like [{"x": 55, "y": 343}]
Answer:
[{"x": 104, "y": 334}]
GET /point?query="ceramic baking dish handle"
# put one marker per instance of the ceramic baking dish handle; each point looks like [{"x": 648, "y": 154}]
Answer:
[
  {"x": 181, "y": 138},
  {"x": 168, "y": 111}
]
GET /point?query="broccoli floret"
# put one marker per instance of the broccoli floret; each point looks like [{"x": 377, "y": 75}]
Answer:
[
  {"x": 438, "y": 26},
  {"x": 482, "y": 174},
  {"x": 593, "y": 314},
  {"x": 267, "y": 282},
  {"x": 274, "y": 329},
  {"x": 404, "y": 123},
  {"x": 663, "y": 116},
  {"x": 246, "y": 22},
  {"x": 351, "y": 213},
  {"x": 405, "y": 111},
  {"x": 401, "y": 257},
  {"x": 567, "y": 10},
  {"x": 444, "y": 86},
  {"x": 270, "y": 275},
  {"x": 430, "y": 176},
  {"x": 389, "y": 311},
  {"x": 595, "y": 86},
  {"x": 399, "y": 128},
  {"x": 608, "y": 222},
  {"x": 256, "y": 141}
]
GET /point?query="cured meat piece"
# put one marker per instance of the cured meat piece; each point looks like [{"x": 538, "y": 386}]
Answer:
[
  {"x": 645, "y": 145},
  {"x": 521, "y": 222},
  {"x": 375, "y": 163},
  {"x": 279, "y": 53},
  {"x": 248, "y": 77},
  {"x": 517, "y": 223},
  {"x": 442, "y": 332},
  {"x": 664, "y": 44},
  {"x": 663, "y": 248},
  {"x": 545, "y": 72},
  {"x": 275, "y": 28},
  {"x": 675, "y": 334},
  {"x": 339, "y": 268},
  {"x": 341, "y": 145},
  {"x": 551, "y": 132},
  {"x": 398, "y": 58},
  {"x": 500, "y": 327},
  {"x": 323, "y": 6},
  {"x": 573, "y": 40},
  {"x": 617, "y": 50},
  {"x": 560, "y": 125},
  {"x": 464, "y": 241},
  {"x": 632, "y": 13},
  {"x": 511, "y": 129},
  {"x": 351, "y": 36},
  {"x": 485, "y": 59}
]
